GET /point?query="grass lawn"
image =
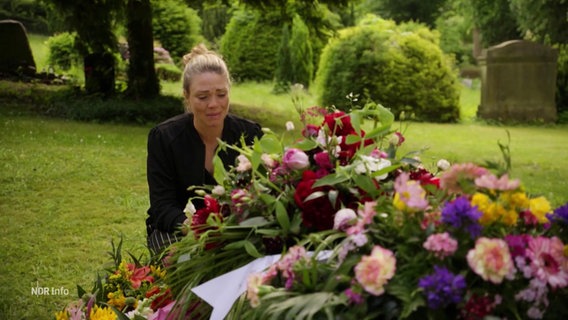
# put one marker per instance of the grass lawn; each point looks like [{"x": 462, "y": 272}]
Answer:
[{"x": 69, "y": 188}]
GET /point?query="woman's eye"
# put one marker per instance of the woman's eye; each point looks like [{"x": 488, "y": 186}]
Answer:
[{"x": 202, "y": 97}]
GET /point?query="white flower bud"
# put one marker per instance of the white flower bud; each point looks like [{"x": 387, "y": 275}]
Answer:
[{"x": 443, "y": 164}]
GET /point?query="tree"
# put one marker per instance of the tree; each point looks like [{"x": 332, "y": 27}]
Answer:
[
  {"x": 407, "y": 10},
  {"x": 495, "y": 21},
  {"x": 97, "y": 42},
  {"x": 142, "y": 79}
]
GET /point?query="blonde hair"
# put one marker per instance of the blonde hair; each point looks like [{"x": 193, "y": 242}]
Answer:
[{"x": 201, "y": 60}]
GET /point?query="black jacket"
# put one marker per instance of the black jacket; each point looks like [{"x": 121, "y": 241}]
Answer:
[{"x": 176, "y": 158}]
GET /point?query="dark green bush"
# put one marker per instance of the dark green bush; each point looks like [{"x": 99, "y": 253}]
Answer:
[
  {"x": 62, "y": 52},
  {"x": 399, "y": 66},
  {"x": 250, "y": 45},
  {"x": 301, "y": 52},
  {"x": 562, "y": 84},
  {"x": 168, "y": 72},
  {"x": 176, "y": 26}
]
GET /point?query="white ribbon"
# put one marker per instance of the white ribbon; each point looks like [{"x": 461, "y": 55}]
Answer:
[{"x": 222, "y": 292}]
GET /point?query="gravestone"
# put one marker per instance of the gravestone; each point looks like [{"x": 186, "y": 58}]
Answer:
[
  {"x": 16, "y": 55},
  {"x": 518, "y": 82}
]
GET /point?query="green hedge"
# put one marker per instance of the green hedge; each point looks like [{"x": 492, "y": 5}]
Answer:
[
  {"x": 250, "y": 45},
  {"x": 400, "y": 66}
]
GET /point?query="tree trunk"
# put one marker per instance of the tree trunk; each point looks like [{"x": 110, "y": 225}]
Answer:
[{"x": 142, "y": 79}]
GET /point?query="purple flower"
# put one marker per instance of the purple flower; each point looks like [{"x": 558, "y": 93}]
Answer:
[
  {"x": 460, "y": 213},
  {"x": 559, "y": 215},
  {"x": 442, "y": 288},
  {"x": 517, "y": 244}
]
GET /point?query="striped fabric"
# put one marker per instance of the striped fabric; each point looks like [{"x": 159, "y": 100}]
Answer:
[{"x": 160, "y": 240}]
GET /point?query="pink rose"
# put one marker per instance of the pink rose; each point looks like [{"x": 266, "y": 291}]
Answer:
[{"x": 295, "y": 159}]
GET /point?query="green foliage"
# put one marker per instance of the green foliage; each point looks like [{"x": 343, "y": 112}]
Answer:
[
  {"x": 562, "y": 83},
  {"x": 177, "y": 27},
  {"x": 542, "y": 19},
  {"x": 301, "y": 53},
  {"x": 284, "y": 73},
  {"x": 405, "y": 10},
  {"x": 249, "y": 46},
  {"x": 399, "y": 66},
  {"x": 33, "y": 14},
  {"x": 215, "y": 18},
  {"x": 62, "y": 51},
  {"x": 495, "y": 20},
  {"x": 455, "y": 35},
  {"x": 168, "y": 72}
]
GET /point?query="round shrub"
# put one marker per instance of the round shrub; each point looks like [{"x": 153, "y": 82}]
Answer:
[
  {"x": 177, "y": 27},
  {"x": 168, "y": 72},
  {"x": 62, "y": 52},
  {"x": 250, "y": 46},
  {"x": 399, "y": 66}
]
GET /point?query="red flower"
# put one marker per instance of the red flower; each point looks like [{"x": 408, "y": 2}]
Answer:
[
  {"x": 425, "y": 177},
  {"x": 199, "y": 218},
  {"x": 343, "y": 127},
  {"x": 139, "y": 275},
  {"x": 317, "y": 213},
  {"x": 162, "y": 299}
]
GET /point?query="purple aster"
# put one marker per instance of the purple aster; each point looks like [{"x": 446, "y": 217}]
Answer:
[
  {"x": 459, "y": 213},
  {"x": 442, "y": 288},
  {"x": 559, "y": 215}
]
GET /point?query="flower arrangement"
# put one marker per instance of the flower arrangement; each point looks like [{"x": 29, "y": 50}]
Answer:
[
  {"x": 130, "y": 289},
  {"x": 339, "y": 225},
  {"x": 399, "y": 241}
]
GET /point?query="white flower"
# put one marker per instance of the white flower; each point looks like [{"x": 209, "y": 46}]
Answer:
[
  {"x": 289, "y": 125},
  {"x": 443, "y": 164},
  {"x": 244, "y": 163},
  {"x": 343, "y": 218},
  {"x": 189, "y": 208},
  {"x": 218, "y": 190},
  {"x": 268, "y": 161},
  {"x": 370, "y": 165}
]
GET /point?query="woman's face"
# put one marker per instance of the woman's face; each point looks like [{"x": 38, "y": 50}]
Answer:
[{"x": 208, "y": 99}]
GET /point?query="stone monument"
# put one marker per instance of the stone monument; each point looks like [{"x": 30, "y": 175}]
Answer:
[
  {"x": 518, "y": 82},
  {"x": 16, "y": 55}
]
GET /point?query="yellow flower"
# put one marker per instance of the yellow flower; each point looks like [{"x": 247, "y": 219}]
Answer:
[
  {"x": 518, "y": 200},
  {"x": 158, "y": 272},
  {"x": 398, "y": 203},
  {"x": 510, "y": 217},
  {"x": 116, "y": 299},
  {"x": 539, "y": 207},
  {"x": 62, "y": 315},
  {"x": 484, "y": 205},
  {"x": 102, "y": 314}
]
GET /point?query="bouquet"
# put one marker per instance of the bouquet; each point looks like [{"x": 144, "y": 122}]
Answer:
[
  {"x": 128, "y": 290},
  {"x": 363, "y": 232}
]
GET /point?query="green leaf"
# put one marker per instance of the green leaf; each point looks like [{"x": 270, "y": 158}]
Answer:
[
  {"x": 219, "y": 170},
  {"x": 251, "y": 249},
  {"x": 365, "y": 182},
  {"x": 270, "y": 144},
  {"x": 330, "y": 179},
  {"x": 353, "y": 139},
  {"x": 305, "y": 144},
  {"x": 282, "y": 216},
  {"x": 235, "y": 245},
  {"x": 254, "y": 222},
  {"x": 267, "y": 198}
]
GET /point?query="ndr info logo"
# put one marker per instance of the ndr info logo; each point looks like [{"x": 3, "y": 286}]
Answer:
[{"x": 38, "y": 290}]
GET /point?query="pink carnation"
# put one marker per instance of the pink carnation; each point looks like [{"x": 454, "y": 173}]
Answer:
[
  {"x": 441, "y": 244},
  {"x": 491, "y": 259},
  {"x": 375, "y": 270},
  {"x": 463, "y": 172},
  {"x": 490, "y": 181}
]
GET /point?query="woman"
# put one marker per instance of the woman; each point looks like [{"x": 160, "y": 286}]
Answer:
[{"x": 181, "y": 149}]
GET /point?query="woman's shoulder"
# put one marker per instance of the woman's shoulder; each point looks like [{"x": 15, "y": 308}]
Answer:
[
  {"x": 173, "y": 126},
  {"x": 240, "y": 122}
]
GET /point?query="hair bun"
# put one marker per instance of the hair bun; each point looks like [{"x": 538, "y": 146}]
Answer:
[{"x": 196, "y": 51}]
